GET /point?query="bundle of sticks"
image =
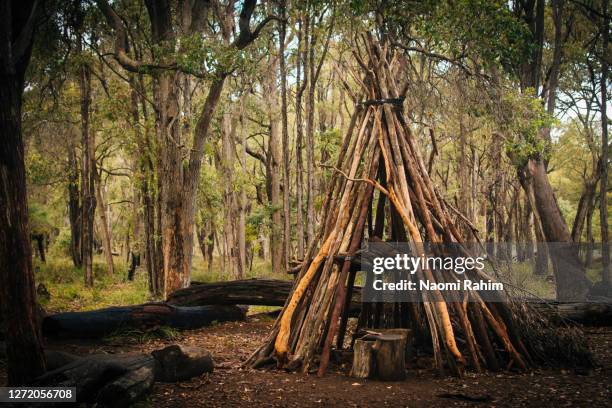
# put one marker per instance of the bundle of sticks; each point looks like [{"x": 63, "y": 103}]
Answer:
[{"x": 380, "y": 177}]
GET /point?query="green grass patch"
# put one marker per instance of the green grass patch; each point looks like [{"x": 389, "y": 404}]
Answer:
[
  {"x": 65, "y": 282},
  {"x": 135, "y": 336}
]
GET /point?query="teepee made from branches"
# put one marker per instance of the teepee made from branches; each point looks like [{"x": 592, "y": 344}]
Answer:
[{"x": 380, "y": 165}]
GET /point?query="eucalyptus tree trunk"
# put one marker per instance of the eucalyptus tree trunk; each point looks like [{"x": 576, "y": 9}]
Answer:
[
  {"x": 309, "y": 69},
  {"x": 586, "y": 200},
  {"x": 274, "y": 167},
  {"x": 104, "y": 220},
  {"x": 285, "y": 129},
  {"x": 88, "y": 189},
  {"x": 24, "y": 350},
  {"x": 463, "y": 172},
  {"x": 230, "y": 198},
  {"x": 571, "y": 282},
  {"x": 603, "y": 190},
  {"x": 74, "y": 203},
  {"x": 301, "y": 84},
  {"x": 242, "y": 194},
  {"x": 146, "y": 179},
  {"x": 588, "y": 261}
]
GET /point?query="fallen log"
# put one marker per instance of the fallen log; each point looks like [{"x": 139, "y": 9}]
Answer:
[
  {"x": 99, "y": 323},
  {"x": 118, "y": 380},
  {"x": 274, "y": 292},
  {"x": 584, "y": 313},
  {"x": 124, "y": 377},
  {"x": 264, "y": 292}
]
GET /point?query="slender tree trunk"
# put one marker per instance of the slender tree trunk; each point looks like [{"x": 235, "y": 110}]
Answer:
[
  {"x": 588, "y": 261},
  {"x": 106, "y": 232},
  {"x": 586, "y": 198},
  {"x": 285, "y": 130},
  {"x": 24, "y": 352},
  {"x": 570, "y": 278},
  {"x": 242, "y": 194},
  {"x": 603, "y": 189},
  {"x": 231, "y": 208},
  {"x": 274, "y": 165},
  {"x": 301, "y": 85},
  {"x": 88, "y": 190},
  {"x": 541, "y": 261},
  {"x": 74, "y": 204},
  {"x": 462, "y": 171},
  {"x": 309, "y": 69},
  {"x": 146, "y": 178}
]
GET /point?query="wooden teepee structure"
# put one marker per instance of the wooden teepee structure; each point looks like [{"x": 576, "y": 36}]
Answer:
[{"x": 380, "y": 163}]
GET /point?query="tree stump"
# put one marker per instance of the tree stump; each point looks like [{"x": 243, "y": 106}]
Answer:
[
  {"x": 179, "y": 363},
  {"x": 408, "y": 340},
  {"x": 390, "y": 351},
  {"x": 364, "y": 361},
  {"x": 381, "y": 355}
]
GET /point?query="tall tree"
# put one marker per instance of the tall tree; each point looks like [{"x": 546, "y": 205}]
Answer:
[
  {"x": 605, "y": 148},
  {"x": 25, "y": 355},
  {"x": 88, "y": 170},
  {"x": 285, "y": 137},
  {"x": 571, "y": 282},
  {"x": 301, "y": 84},
  {"x": 274, "y": 165},
  {"x": 178, "y": 180}
]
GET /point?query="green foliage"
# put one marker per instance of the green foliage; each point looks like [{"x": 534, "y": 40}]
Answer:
[
  {"x": 525, "y": 118},
  {"x": 485, "y": 29},
  {"x": 329, "y": 142},
  {"x": 209, "y": 56},
  {"x": 39, "y": 220}
]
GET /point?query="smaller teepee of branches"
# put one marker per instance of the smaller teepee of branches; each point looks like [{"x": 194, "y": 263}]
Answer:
[{"x": 380, "y": 159}]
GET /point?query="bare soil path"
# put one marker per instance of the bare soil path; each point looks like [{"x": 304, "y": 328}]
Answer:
[{"x": 232, "y": 386}]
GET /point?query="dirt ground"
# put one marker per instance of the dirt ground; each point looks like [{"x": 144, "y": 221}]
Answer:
[{"x": 232, "y": 386}]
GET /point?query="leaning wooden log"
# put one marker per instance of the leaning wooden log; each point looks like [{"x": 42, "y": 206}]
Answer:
[
  {"x": 98, "y": 323},
  {"x": 265, "y": 292},
  {"x": 119, "y": 380}
]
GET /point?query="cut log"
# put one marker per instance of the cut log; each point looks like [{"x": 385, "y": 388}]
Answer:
[
  {"x": 128, "y": 375},
  {"x": 390, "y": 351},
  {"x": 180, "y": 363},
  {"x": 127, "y": 389},
  {"x": 381, "y": 355},
  {"x": 99, "y": 323},
  {"x": 264, "y": 292},
  {"x": 364, "y": 360},
  {"x": 118, "y": 380}
]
